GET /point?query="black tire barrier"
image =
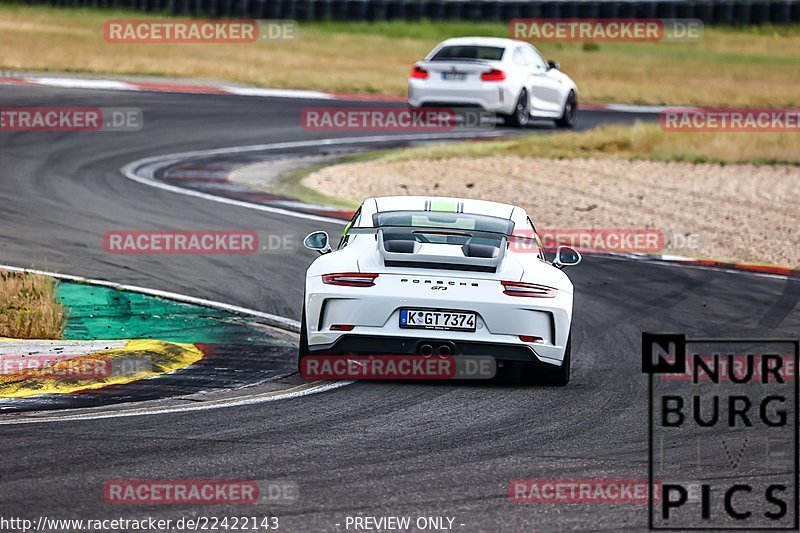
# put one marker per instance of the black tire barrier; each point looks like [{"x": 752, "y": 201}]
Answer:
[
  {"x": 760, "y": 13},
  {"x": 339, "y": 10},
  {"x": 510, "y": 10},
  {"x": 454, "y": 9},
  {"x": 704, "y": 11},
  {"x": 627, "y": 10},
  {"x": 532, "y": 10},
  {"x": 376, "y": 10},
  {"x": 724, "y": 12},
  {"x": 646, "y": 10},
  {"x": 472, "y": 11},
  {"x": 274, "y": 9},
  {"x": 242, "y": 8},
  {"x": 609, "y": 10},
  {"x": 414, "y": 10},
  {"x": 794, "y": 12},
  {"x": 323, "y": 9},
  {"x": 257, "y": 9},
  {"x": 590, "y": 10},
  {"x": 551, "y": 10},
  {"x": 304, "y": 10},
  {"x": 434, "y": 10},
  {"x": 356, "y": 10},
  {"x": 490, "y": 11},
  {"x": 569, "y": 10},
  {"x": 779, "y": 12},
  {"x": 213, "y": 8},
  {"x": 289, "y": 10},
  {"x": 686, "y": 10},
  {"x": 666, "y": 10},
  {"x": 741, "y": 13},
  {"x": 396, "y": 10}
]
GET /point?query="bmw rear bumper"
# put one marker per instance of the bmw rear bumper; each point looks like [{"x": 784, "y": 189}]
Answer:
[{"x": 493, "y": 98}]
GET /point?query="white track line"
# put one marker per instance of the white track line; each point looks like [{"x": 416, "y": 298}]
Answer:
[
  {"x": 143, "y": 170},
  {"x": 25, "y": 418},
  {"x": 259, "y": 92},
  {"x": 274, "y": 320},
  {"x": 77, "y": 83},
  {"x": 150, "y": 165}
]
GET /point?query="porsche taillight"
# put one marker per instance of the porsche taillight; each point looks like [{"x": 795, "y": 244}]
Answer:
[
  {"x": 528, "y": 290},
  {"x": 350, "y": 279}
]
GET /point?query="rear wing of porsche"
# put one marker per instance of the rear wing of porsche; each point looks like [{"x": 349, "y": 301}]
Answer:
[{"x": 439, "y": 248}]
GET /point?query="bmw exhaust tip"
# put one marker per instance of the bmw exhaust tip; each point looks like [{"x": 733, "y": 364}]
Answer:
[
  {"x": 444, "y": 350},
  {"x": 426, "y": 350}
]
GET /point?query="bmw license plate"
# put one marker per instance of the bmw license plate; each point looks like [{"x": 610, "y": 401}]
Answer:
[
  {"x": 457, "y": 76},
  {"x": 425, "y": 319}
]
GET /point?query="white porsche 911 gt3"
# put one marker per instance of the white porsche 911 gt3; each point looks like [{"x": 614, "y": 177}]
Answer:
[
  {"x": 503, "y": 76},
  {"x": 440, "y": 276}
]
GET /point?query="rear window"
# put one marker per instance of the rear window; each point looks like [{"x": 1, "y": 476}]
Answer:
[
  {"x": 449, "y": 53},
  {"x": 434, "y": 219}
]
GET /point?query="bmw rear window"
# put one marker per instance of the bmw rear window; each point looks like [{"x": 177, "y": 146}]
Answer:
[
  {"x": 457, "y": 53},
  {"x": 436, "y": 219}
]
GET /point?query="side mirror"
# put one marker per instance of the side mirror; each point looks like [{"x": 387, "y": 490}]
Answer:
[
  {"x": 566, "y": 256},
  {"x": 553, "y": 64},
  {"x": 318, "y": 241}
]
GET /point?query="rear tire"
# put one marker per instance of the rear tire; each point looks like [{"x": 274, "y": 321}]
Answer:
[
  {"x": 569, "y": 115},
  {"x": 302, "y": 347},
  {"x": 521, "y": 115},
  {"x": 559, "y": 377},
  {"x": 544, "y": 374}
]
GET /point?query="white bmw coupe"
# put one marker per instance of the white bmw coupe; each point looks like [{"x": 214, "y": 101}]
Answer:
[
  {"x": 441, "y": 277},
  {"x": 503, "y": 76}
]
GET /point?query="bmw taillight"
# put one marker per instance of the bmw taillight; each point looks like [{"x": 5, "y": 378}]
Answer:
[
  {"x": 493, "y": 75},
  {"x": 528, "y": 290},
  {"x": 350, "y": 279},
  {"x": 419, "y": 73}
]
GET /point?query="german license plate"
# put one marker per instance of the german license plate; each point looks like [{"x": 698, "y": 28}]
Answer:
[
  {"x": 457, "y": 76},
  {"x": 446, "y": 320}
]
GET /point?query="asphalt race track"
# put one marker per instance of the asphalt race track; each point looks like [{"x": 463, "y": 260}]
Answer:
[{"x": 365, "y": 449}]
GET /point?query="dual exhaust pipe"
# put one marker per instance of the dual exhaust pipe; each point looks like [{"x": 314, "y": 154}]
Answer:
[{"x": 427, "y": 350}]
